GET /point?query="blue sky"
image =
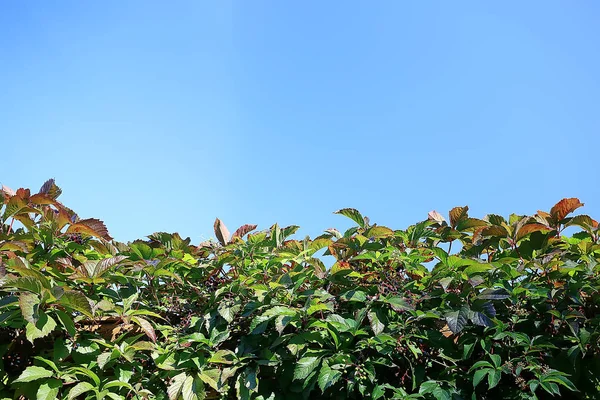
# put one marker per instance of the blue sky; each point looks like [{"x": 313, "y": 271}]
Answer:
[{"x": 161, "y": 116}]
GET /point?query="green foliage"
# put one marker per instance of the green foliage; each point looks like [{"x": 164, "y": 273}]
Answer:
[{"x": 513, "y": 314}]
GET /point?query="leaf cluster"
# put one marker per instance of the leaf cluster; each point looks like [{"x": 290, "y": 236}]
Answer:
[{"x": 511, "y": 313}]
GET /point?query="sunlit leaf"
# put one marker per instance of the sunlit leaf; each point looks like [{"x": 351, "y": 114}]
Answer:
[
  {"x": 221, "y": 232},
  {"x": 564, "y": 208},
  {"x": 353, "y": 214},
  {"x": 92, "y": 227}
]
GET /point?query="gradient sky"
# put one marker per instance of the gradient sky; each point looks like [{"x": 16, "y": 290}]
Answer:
[{"x": 161, "y": 116}]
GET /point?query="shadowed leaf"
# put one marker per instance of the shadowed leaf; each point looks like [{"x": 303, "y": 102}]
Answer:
[
  {"x": 92, "y": 227},
  {"x": 221, "y": 232},
  {"x": 457, "y": 214}
]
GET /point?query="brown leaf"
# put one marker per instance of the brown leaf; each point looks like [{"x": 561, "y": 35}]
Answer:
[
  {"x": 221, "y": 232},
  {"x": 242, "y": 231},
  {"x": 530, "y": 228},
  {"x": 564, "y": 208},
  {"x": 457, "y": 214},
  {"x": 50, "y": 189},
  {"x": 446, "y": 331},
  {"x": 41, "y": 199},
  {"x": 90, "y": 226}
]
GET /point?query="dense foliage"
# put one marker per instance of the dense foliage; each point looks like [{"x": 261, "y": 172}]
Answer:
[{"x": 457, "y": 308}]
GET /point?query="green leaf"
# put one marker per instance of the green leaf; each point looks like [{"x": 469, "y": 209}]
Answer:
[
  {"x": 29, "y": 283},
  {"x": 33, "y": 373},
  {"x": 222, "y": 357},
  {"x": 398, "y": 304},
  {"x": 496, "y": 360},
  {"x": 146, "y": 327},
  {"x": 77, "y": 301},
  {"x": 328, "y": 377},
  {"x": 229, "y": 312},
  {"x": 494, "y": 294},
  {"x": 378, "y": 392},
  {"x": 376, "y": 325},
  {"x": 176, "y": 386},
  {"x": 305, "y": 367},
  {"x": 49, "y": 390},
  {"x": 193, "y": 389},
  {"x": 29, "y": 304},
  {"x": 79, "y": 389},
  {"x": 493, "y": 378},
  {"x": 480, "y": 319},
  {"x": 354, "y": 295},
  {"x": 42, "y": 328},
  {"x": 353, "y": 214},
  {"x": 66, "y": 321},
  {"x": 103, "y": 359},
  {"x": 457, "y": 320},
  {"x": 479, "y": 375}
]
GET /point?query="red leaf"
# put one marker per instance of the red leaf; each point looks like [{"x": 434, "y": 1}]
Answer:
[
  {"x": 564, "y": 208},
  {"x": 90, "y": 226},
  {"x": 530, "y": 228},
  {"x": 242, "y": 231}
]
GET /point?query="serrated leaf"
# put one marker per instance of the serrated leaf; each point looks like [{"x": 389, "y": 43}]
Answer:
[
  {"x": 457, "y": 320},
  {"x": 457, "y": 214},
  {"x": 103, "y": 359},
  {"x": 228, "y": 312},
  {"x": 353, "y": 214},
  {"x": 242, "y": 231},
  {"x": 480, "y": 319},
  {"x": 92, "y": 227},
  {"x": 354, "y": 295},
  {"x": 222, "y": 357},
  {"x": 327, "y": 377},
  {"x": 66, "y": 321},
  {"x": 33, "y": 373},
  {"x": 50, "y": 189},
  {"x": 527, "y": 229},
  {"x": 281, "y": 322},
  {"x": 193, "y": 389},
  {"x": 77, "y": 301},
  {"x": 376, "y": 325},
  {"x": 176, "y": 386},
  {"x": 479, "y": 375},
  {"x": 494, "y": 294},
  {"x": 494, "y": 378},
  {"x": 79, "y": 389},
  {"x": 42, "y": 328},
  {"x": 146, "y": 327},
  {"x": 305, "y": 367},
  {"x": 469, "y": 223},
  {"x": 49, "y": 390},
  {"x": 398, "y": 304},
  {"x": 29, "y": 304},
  {"x": 564, "y": 208}
]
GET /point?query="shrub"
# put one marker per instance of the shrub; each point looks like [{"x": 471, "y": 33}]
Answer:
[{"x": 511, "y": 313}]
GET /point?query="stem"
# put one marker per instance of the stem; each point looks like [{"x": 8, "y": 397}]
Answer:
[
  {"x": 450, "y": 248},
  {"x": 11, "y": 225}
]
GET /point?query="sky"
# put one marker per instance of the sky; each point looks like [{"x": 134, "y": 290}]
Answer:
[{"x": 161, "y": 116}]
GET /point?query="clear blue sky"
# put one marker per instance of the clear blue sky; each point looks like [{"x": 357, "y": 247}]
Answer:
[{"x": 161, "y": 116}]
